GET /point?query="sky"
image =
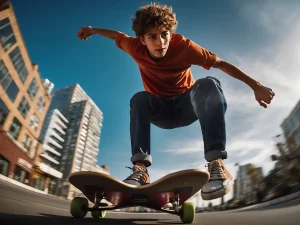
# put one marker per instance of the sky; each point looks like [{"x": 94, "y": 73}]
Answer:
[{"x": 259, "y": 37}]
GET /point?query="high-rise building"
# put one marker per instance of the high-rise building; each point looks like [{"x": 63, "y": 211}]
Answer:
[
  {"x": 48, "y": 162},
  {"x": 82, "y": 136},
  {"x": 291, "y": 130},
  {"x": 247, "y": 182},
  {"x": 23, "y": 101}
]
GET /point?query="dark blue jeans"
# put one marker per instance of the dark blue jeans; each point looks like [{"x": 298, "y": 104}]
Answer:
[{"x": 204, "y": 101}]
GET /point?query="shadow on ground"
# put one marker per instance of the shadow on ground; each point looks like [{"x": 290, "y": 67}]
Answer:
[{"x": 48, "y": 219}]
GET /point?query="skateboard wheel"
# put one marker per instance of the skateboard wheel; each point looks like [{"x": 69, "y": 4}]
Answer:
[
  {"x": 79, "y": 207},
  {"x": 187, "y": 212},
  {"x": 98, "y": 214}
]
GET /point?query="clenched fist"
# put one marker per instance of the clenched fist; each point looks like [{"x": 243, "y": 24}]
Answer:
[
  {"x": 85, "y": 32},
  {"x": 263, "y": 95}
]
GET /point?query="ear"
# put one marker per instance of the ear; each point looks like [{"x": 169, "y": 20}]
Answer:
[{"x": 143, "y": 40}]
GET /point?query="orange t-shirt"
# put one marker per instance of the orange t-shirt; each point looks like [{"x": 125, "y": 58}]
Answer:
[{"x": 171, "y": 76}]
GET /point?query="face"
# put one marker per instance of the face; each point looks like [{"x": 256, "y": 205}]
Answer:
[{"x": 157, "y": 41}]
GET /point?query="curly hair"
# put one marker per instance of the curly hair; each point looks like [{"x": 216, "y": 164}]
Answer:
[{"x": 154, "y": 15}]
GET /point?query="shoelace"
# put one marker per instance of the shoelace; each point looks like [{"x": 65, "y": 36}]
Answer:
[
  {"x": 137, "y": 174},
  {"x": 215, "y": 170}
]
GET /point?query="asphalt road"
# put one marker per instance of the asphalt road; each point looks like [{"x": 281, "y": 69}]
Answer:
[{"x": 20, "y": 206}]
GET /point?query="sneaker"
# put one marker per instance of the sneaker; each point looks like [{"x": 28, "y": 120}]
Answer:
[
  {"x": 138, "y": 177},
  {"x": 220, "y": 181}
]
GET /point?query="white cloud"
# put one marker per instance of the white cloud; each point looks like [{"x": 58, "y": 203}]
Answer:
[
  {"x": 179, "y": 147},
  {"x": 251, "y": 127}
]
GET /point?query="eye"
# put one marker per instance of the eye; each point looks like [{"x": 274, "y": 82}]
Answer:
[{"x": 165, "y": 34}]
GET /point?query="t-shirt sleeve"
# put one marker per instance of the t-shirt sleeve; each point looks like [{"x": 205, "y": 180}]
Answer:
[
  {"x": 125, "y": 42},
  {"x": 200, "y": 56}
]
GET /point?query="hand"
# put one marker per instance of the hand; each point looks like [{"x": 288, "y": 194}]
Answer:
[
  {"x": 263, "y": 95},
  {"x": 84, "y": 33}
]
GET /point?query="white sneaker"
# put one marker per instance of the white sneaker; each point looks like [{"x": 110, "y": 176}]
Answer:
[{"x": 220, "y": 181}]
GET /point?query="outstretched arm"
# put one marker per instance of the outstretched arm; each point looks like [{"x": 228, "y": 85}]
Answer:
[
  {"x": 85, "y": 32},
  {"x": 263, "y": 94}
]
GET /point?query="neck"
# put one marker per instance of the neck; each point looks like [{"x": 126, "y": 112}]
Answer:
[{"x": 154, "y": 58}]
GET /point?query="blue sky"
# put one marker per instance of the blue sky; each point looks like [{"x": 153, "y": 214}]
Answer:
[{"x": 260, "y": 37}]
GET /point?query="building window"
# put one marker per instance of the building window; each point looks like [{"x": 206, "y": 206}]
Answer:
[
  {"x": 23, "y": 107},
  {"x": 21, "y": 175},
  {"x": 27, "y": 142},
  {"x": 34, "y": 122},
  {"x": 298, "y": 115},
  {"x": 4, "y": 166},
  {"x": 18, "y": 63},
  {"x": 32, "y": 89},
  {"x": 3, "y": 112},
  {"x": 34, "y": 149},
  {"x": 41, "y": 104},
  {"x": 7, "y": 37},
  {"x": 7, "y": 82},
  {"x": 15, "y": 128}
]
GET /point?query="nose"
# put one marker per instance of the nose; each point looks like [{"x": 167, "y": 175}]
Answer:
[{"x": 160, "y": 41}]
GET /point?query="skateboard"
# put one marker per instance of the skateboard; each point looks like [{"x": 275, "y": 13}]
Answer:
[{"x": 168, "y": 194}]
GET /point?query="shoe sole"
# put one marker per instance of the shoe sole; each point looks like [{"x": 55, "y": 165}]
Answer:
[{"x": 219, "y": 193}]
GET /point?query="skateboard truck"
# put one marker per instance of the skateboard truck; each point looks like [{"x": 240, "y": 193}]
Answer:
[
  {"x": 173, "y": 204},
  {"x": 99, "y": 196}
]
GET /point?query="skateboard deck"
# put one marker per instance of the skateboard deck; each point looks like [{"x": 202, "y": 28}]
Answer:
[{"x": 168, "y": 194}]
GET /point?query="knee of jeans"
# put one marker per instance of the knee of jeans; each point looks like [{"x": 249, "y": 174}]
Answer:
[
  {"x": 139, "y": 97},
  {"x": 212, "y": 80},
  {"x": 206, "y": 83}
]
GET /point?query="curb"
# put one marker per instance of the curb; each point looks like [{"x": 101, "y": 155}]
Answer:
[
  {"x": 276, "y": 201},
  {"x": 12, "y": 181}
]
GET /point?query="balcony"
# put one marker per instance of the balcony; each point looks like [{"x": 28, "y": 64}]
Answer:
[
  {"x": 53, "y": 142},
  {"x": 44, "y": 155},
  {"x": 47, "y": 169},
  {"x": 52, "y": 150}
]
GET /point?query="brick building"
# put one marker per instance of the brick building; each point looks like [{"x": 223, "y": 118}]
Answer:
[{"x": 23, "y": 101}]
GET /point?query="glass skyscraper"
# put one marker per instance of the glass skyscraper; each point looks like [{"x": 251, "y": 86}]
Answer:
[{"x": 82, "y": 136}]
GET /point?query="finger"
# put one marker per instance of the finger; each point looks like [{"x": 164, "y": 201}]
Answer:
[
  {"x": 82, "y": 37},
  {"x": 80, "y": 34},
  {"x": 263, "y": 104},
  {"x": 272, "y": 92}
]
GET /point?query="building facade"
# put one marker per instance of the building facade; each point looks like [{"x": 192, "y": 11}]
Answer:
[
  {"x": 246, "y": 183},
  {"x": 48, "y": 163},
  {"x": 291, "y": 130},
  {"x": 80, "y": 147},
  {"x": 23, "y": 101}
]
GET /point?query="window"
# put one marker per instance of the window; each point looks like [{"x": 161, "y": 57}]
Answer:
[
  {"x": 15, "y": 128},
  {"x": 34, "y": 122},
  {"x": 41, "y": 104},
  {"x": 27, "y": 142},
  {"x": 18, "y": 63},
  {"x": 4, "y": 166},
  {"x": 23, "y": 107},
  {"x": 3, "y": 112},
  {"x": 33, "y": 150},
  {"x": 7, "y": 37},
  {"x": 7, "y": 82},
  {"x": 32, "y": 89},
  {"x": 298, "y": 115}
]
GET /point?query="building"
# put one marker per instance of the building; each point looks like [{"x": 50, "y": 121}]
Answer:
[
  {"x": 23, "y": 101},
  {"x": 249, "y": 179},
  {"x": 48, "y": 164},
  {"x": 82, "y": 136},
  {"x": 291, "y": 130}
]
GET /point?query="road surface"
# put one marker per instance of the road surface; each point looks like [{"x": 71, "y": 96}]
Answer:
[{"x": 21, "y": 206}]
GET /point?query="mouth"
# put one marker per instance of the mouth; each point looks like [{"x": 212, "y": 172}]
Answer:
[{"x": 160, "y": 50}]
